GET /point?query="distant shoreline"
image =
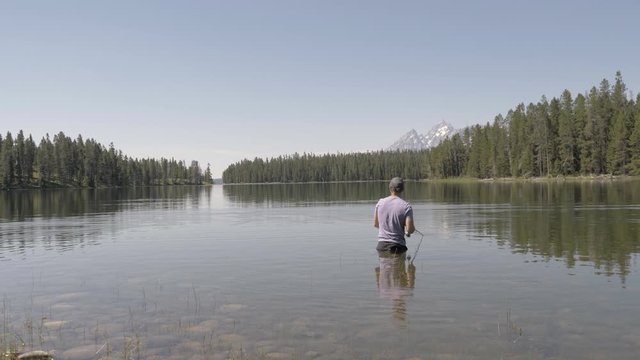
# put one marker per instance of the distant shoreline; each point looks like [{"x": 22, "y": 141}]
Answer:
[
  {"x": 582, "y": 178},
  {"x": 560, "y": 178},
  {"x": 460, "y": 180}
]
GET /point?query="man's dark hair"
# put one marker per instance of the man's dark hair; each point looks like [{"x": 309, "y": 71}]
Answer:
[{"x": 396, "y": 185}]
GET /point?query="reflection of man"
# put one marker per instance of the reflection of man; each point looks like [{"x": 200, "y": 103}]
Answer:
[
  {"x": 395, "y": 278},
  {"x": 393, "y": 217}
]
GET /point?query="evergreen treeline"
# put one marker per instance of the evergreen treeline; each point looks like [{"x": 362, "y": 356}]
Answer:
[
  {"x": 592, "y": 134},
  {"x": 323, "y": 168},
  {"x": 85, "y": 163}
]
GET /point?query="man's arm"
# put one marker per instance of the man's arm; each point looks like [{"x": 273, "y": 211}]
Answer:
[
  {"x": 409, "y": 228},
  {"x": 375, "y": 218}
]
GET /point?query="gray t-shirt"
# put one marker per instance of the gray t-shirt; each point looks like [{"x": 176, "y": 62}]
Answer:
[{"x": 392, "y": 212}]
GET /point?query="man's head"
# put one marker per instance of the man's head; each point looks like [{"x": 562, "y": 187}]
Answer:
[{"x": 396, "y": 185}]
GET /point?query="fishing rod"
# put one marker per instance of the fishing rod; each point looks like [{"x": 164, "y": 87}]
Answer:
[{"x": 413, "y": 258}]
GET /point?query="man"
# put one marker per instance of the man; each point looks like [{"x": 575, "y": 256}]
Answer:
[{"x": 394, "y": 218}]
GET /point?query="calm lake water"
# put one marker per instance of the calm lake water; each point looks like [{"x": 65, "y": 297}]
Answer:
[{"x": 505, "y": 271}]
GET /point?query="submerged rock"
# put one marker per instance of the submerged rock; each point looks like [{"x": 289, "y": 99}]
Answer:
[
  {"x": 311, "y": 354},
  {"x": 279, "y": 356},
  {"x": 36, "y": 355},
  {"x": 49, "y": 324}
]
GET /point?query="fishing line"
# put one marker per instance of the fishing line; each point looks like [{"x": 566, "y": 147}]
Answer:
[{"x": 413, "y": 258}]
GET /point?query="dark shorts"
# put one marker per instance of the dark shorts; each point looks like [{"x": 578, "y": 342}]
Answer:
[{"x": 390, "y": 247}]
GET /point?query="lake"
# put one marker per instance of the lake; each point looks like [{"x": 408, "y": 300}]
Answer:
[{"x": 526, "y": 270}]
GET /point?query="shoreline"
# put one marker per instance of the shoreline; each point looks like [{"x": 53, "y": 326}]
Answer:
[
  {"x": 541, "y": 179},
  {"x": 559, "y": 178},
  {"x": 571, "y": 178}
]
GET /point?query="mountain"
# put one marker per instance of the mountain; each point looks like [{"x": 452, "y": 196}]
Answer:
[
  {"x": 415, "y": 141},
  {"x": 409, "y": 141}
]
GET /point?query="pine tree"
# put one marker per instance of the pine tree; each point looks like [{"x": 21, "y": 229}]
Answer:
[
  {"x": 566, "y": 135},
  {"x": 580, "y": 116},
  {"x": 617, "y": 147},
  {"x": 553, "y": 120},
  {"x": 78, "y": 161},
  {"x": 602, "y": 114},
  {"x": 618, "y": 135},
  {"x": 208, "y": 179},
  {"x": 590, "y": 162},
  {"x": 92, "y": 155},
  {"x": 1, "y": 162},
  {"x": 45, "y": 160},
  {"x": 497, "y": 137},
  {"x": 520, "y": 142},
  {"x": 29, "y": 159},
  {"x": 634, "y": 140},
  {"x": 539, "y": 115},
  {"x": 7, "y": 161},
  {"x": 19, "y": 157}
]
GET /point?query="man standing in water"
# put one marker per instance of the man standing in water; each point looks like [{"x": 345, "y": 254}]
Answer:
[{"x": 394, "y": 218}]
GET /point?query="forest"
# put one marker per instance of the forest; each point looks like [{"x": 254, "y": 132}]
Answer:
[
  {"x": 591, "y": 134},
  {"x": 67, "y": 162}
]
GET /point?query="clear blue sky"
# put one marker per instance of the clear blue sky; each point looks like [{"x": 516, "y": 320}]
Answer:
[{"x": 219, "y": 81}]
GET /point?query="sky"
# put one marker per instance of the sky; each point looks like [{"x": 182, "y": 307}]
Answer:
[{"x": 221, "y": 81}]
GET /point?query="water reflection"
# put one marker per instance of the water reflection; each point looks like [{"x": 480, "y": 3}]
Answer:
[
  {"x": 395, "y": 280},
  {"x": 604, "y": 236},
  {"x": 302, "y": 194},
  {"x": 22, "y": 205},
  {"x": 81, "y": 216},
  {"x": 597, "y": 222},
  {"x": 19, "y": 237},
  {"x": 515, "y": 193}
]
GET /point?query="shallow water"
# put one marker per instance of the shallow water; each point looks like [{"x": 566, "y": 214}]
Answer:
[{"x": 513, "y": 271}]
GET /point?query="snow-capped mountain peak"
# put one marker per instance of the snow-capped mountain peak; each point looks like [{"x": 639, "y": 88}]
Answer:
[
  {"x": 438, "y": 133},
  {"x": 415, "y": 141},
  {"x": 409, "y": 141}
]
